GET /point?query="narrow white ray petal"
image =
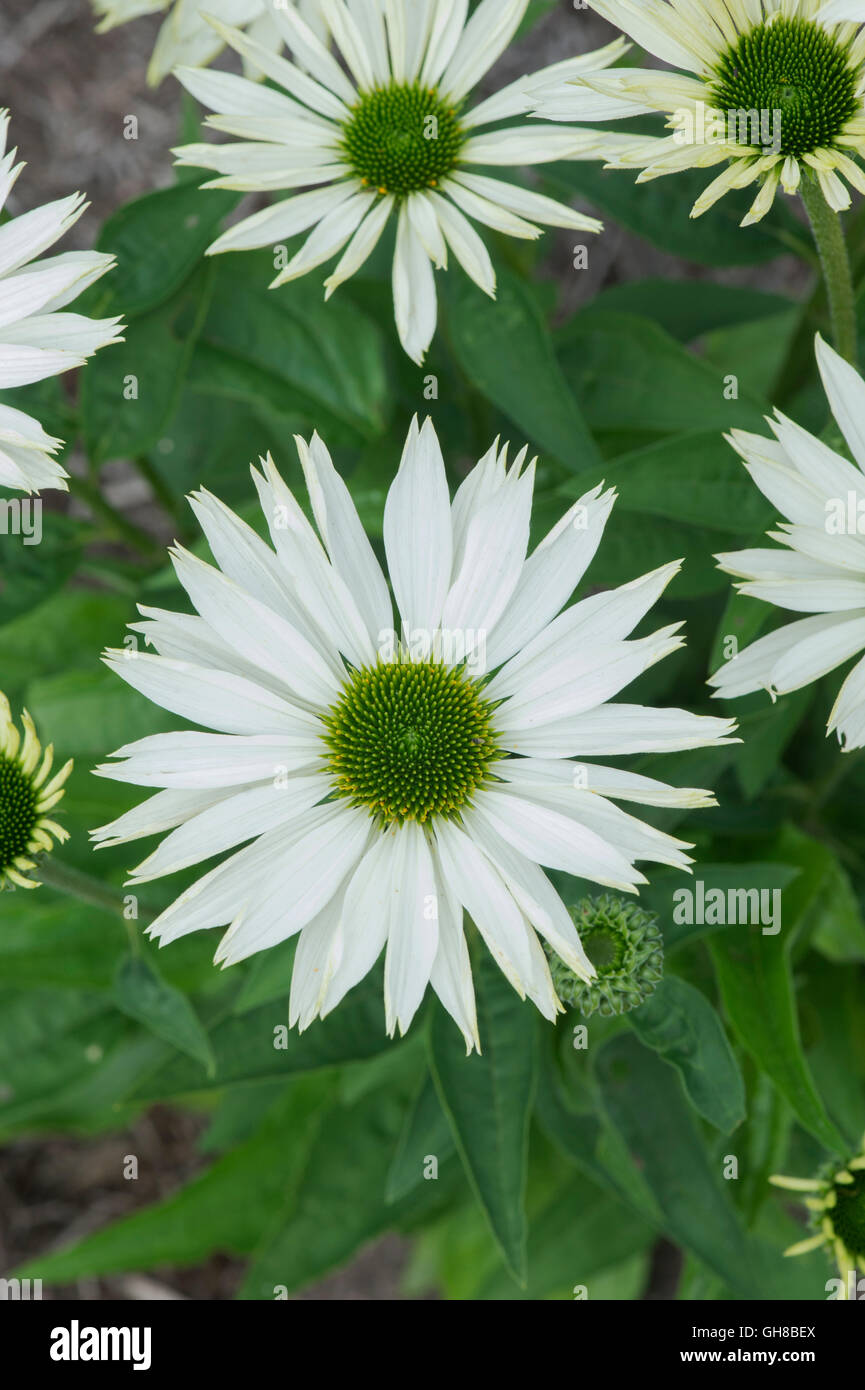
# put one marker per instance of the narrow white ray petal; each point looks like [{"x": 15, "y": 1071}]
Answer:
[
  {"x": 157, "y": 814},
  {"x": 483, "y": 40},
  {"x": 248, "y": 813},
  {"x": 345, "y": 539},
  {"x": 319, "y": 949},
  {"x": 312, "y": 863},
  {"x": 551, "y": 838},
  {"x": 617, "y": 729},
  {"x": 845, "y": 390},
  {"x": 413, "y": 932},
  {"x": 414, "y": 292},
  {"x": 451, "y": 974},
  {"x": 197, "y": 761},
  {"x": 212, "y": 699},
  {"x": 417, "y": 531},
  {"x": 550, "y": 574},
  {"x": 848, "y": 712}
]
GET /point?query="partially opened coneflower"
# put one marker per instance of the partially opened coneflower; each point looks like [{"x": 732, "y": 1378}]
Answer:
[
  {"x": 836, "y": 1200},
  {"x": 383, "y": 776},
  {"x": 28, "y": 792}
]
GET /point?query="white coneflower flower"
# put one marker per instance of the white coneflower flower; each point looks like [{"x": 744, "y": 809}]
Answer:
[
  {"x": 771, "y": 89},
  {"x": 35, "y": 340},
  {"x": 186, "y": 37},
  {"x": 822, "y": 569},
  {"x": 383, "y": 782},
  {"x": 388, "y": 135},
  {"x": 27, "y": 793}
]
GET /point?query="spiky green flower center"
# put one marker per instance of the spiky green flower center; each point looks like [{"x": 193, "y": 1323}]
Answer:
[
  {"x": 848, "y": 1214},
  {"x": 18, "y": 814},
  {"x": 410, "y": 741},
  {"x": 625, "y": 946},
  {"x": 401, "y": 139},
  {"x": 795, "y": 68}
]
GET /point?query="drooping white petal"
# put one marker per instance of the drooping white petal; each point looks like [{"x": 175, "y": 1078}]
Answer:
[{"x": 417, "y": 531}]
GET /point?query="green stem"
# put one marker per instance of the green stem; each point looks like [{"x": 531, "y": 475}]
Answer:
[
  {"x": 835, "y": 263},
  {"x": 91, "y": 890}
]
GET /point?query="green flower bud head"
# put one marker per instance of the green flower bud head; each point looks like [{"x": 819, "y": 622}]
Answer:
[
  {"x": 625, "y": 945},
  {"x": 836, "y": 1200},
  {"x": 26, "y": 796}
]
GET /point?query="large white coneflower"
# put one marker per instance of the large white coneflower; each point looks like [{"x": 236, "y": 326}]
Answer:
[
  {"x": 37, "y": 341},
  {"x": 821, "y": 569},
  {"x": 382, "y": 780},
  {"x": 389, "y": 133}
]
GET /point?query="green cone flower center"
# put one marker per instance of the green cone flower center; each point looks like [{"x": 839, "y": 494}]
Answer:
[
  {"x": 410, "y": 741},
  {"x": 18, "y": 814},
  {"x": 848, "y": 1214},
  {"x": 402, "y": 139},
  {"x": 793, "y": 67}
]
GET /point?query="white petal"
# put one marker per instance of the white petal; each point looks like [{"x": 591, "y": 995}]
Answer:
[{"x": 417, "y": 531}]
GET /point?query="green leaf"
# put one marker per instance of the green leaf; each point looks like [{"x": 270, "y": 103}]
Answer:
[
  {"x": 660, "y": 211},
  {"x": 142, "y": 993},
  {"x": 339, "y": 1205},
  {"x": 90, "y": 712},
  {"x": 506, "y": 351},
  {"x": 629, "y": 375},
  {"x": 679, "y": 1023},
  {"x": 425, "y": 1134},
  {"x": 62, "y": 633},
  {"x": 159, "y": 241},
  {"x": 689, "y": 308},
  {"x": 756, "y": 985},
  {"x": 679, "y": 916},
  {"x": 487, "y": 1100},
  {"x": 259, "y": 1046},
  {"x": 30, "y": 574},
  {"x": 833, "y": 1024},
  {"x": 646, "y": 1102},
  {"x": 573, "y": 1120},
  {"x": 130, "y": 394},
  {"x": 227, "y": 1209},
  {"x": 578, "y": 1235},
  {"x": 695, "y": 478},
  {"x": 283, "y": 350}
]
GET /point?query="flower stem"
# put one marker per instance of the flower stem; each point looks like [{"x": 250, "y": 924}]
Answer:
[
  {"x": 835, "y": 262},
  {"x": 91, "y": 890}
]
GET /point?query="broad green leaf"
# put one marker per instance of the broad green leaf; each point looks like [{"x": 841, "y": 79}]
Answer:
[
  {"x": 756, "y": 985},
  {"x": 142, "y": 993},
  {"x": 689, "y": 308},
  {"x": 645, "y": 1100},
  {"x": 259, "y": 1046},
  {"x": 679, "y": 1023},
  {"x": 572, "y": 1119},
  {"x": 226, "y": 1209},
  {"x": 63, "y": 633},
  {"x": 506, "y": 351},
  {"x": 660, "y": 211},
  {"x": 31, "y": 573},
  {"x": 130, "y": 393},
  {"x": 487, "y": 1100},
  {"x": 90, "y": 713},
  {"x": 159, "y": 240},
  {"x": 629, "y": 375},
  {"x": 579, "y": 1235},
  {"x": 688, "y": 909},
  {"x": 694, "y": 477},
  {"x": 339, "y": 1204},
  {"x": 833, "y": 1024},
  {"x": 283, "y": 349},
  {"x": 426, "y": 1134}
]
